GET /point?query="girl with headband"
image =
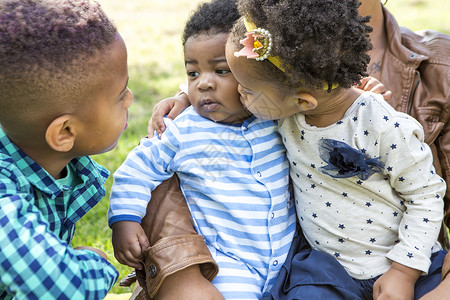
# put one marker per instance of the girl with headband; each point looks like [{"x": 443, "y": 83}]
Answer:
[
  {"x": 389, "y": 66},
  {"x": 365, "y": 188}
]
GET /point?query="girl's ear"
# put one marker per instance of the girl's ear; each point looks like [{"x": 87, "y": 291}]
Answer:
[
  {"x": 60, "y": 135},
  {"x": 305, "y": 101}
]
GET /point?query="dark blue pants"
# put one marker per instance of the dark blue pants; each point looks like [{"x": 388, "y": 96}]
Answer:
[{"x": 313, "y": 275}]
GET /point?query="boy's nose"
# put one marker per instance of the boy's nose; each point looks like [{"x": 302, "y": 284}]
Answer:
[{"x": 129, "y": 99}]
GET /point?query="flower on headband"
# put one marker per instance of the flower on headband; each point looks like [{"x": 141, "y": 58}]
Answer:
[{"x": 257, "y": 44}]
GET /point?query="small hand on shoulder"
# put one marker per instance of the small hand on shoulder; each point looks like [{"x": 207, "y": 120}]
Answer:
[
  {"x": 371, "y": 84},
  {"x": 171, "y": 107}
]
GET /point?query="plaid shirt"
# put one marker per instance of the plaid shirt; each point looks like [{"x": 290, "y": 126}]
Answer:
[{"x": 37, "y": 223}]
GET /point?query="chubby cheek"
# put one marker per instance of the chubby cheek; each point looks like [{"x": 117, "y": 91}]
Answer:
[{"x": 263, "y": 110}]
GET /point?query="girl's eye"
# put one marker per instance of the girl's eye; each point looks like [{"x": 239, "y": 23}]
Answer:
[
  {"x": 192, "y": 74},
  {"x": 222, "y": 71}
]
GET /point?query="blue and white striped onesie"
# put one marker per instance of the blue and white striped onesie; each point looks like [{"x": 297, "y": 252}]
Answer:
[{"x": 235, "y": 178}]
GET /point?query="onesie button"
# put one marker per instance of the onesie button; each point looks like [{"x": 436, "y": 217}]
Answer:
[
  {"x": 275, "y": 262},
  {"x": 259, "y": 173},
  {"x": 272, "y": 216},
  {"x": 152, "y": 271}
]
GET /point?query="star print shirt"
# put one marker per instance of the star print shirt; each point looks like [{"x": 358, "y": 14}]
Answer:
[{"x": 365, "y": 187}]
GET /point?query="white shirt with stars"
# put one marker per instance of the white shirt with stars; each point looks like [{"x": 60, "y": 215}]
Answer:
[{"x": 393, "y": 215}]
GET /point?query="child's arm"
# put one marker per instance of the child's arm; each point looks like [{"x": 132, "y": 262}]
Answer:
[
  {"x": 36, "y": 263},
  {"x": 145, "y": 167},
  {"x": 171, "y": 107},
  {"x": 372, "y": 84},
  {"x": 129, "y": 240},
  {"x": 397, "y": 283},
  {"x": 409, "y": 169}
]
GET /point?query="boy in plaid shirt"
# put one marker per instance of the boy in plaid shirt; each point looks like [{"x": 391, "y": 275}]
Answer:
[{"x": 63, "y": 96}]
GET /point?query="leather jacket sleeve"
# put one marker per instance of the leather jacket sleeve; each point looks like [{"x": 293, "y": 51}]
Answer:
[{"x": 175, "y": 245}]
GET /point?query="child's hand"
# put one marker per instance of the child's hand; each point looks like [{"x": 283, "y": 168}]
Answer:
[
  {"x": 171, "y": 107},
  {"x": 99, "y": 252},
  {"x": 397, "y": 283},
  {"x": 129, "y": 240},
  {"x": 372, "y": 84}
]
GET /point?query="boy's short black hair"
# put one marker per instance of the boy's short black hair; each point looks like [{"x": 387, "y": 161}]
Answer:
[
  {"x": 45, "y": 50},
  {"x": 217, "y": 16},
  {"x": 319, "y": 41}
]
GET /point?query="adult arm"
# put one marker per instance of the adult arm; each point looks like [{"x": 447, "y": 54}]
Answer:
[
  {"x": 36, "y": 263},
  {"x": 176, "y": 251},
  {"x": 441, "y": 291}
]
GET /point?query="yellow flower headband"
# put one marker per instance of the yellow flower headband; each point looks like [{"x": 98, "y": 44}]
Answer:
[{"x": 258, "y": 44}]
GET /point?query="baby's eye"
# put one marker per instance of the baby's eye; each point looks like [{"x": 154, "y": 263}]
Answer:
[
  {"x": 192, "y": 74},
  {"x": 222, "y": 71}
]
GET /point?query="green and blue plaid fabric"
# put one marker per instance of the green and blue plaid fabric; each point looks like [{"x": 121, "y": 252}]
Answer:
[{"x": 37, "y": 223}]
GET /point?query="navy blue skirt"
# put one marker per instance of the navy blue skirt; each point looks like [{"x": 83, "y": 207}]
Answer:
[{"x": 313, "y": 275}]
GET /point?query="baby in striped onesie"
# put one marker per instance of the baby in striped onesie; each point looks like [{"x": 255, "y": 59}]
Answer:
[{"x": 232, "y": 167}]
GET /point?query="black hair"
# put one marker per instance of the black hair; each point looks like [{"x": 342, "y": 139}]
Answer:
[
  {"x": 217, "y": 16},
  {"x": 46, "y": 48},
  {"x": 318, "y": 41}
]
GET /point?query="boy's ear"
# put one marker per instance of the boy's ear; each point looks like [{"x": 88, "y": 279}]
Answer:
[
  {"x": 305, "y": 101},
  {"x": 60, "y": 135}
]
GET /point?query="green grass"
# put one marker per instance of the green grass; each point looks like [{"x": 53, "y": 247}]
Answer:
[
  {"x": 421, "y": 14},
  {"x": 152, "y": 31}
]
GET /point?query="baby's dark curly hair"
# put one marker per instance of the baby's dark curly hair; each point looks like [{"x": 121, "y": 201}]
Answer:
[
  {"x": 217, "y": 16},
  {"x": 319, "y": 41},
  {"x": 46, "y": 51}
]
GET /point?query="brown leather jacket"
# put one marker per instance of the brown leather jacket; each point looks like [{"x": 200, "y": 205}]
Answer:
[{"x": 416, "y": 68}]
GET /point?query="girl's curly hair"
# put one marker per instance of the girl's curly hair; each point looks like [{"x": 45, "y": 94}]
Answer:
[
  {"x": 217, "y": 16},
  {"x": 318, "y": 41}
]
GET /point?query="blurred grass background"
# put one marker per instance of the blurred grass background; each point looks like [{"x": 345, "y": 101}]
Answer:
[{"x": 152, "y": 31}]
